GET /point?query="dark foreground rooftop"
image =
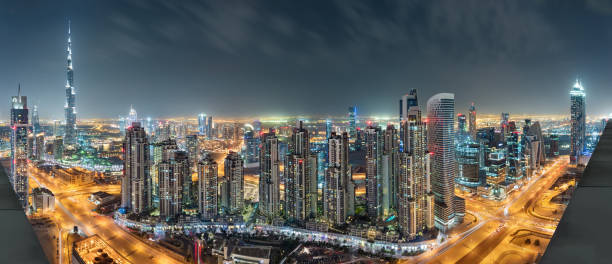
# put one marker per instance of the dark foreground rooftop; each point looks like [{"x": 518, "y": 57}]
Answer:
[
  {"x": 18, "y": 243},
  {"x": 584, "y": 233}
]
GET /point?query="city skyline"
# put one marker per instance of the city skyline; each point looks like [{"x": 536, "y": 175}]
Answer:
[
  {"x": 136, "y": 58},
  {"x": 204, "y": 131}
]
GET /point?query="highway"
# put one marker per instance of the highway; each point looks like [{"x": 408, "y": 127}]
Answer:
[
  {"x": 489, "y": 236},
  {"x": 497, "y": 222},
  {"x": 74, "y": 208}
]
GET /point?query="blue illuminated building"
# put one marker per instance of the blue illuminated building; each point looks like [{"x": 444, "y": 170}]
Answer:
[
  {"x": 516, "y": 171},
  {"x": 352, "y": 129},
  {"x": 468, "y": 164},
  {"x": 578, "y": 122},
  {"x": 251, "y": 143},
  {"x": 202, "y": 124}
]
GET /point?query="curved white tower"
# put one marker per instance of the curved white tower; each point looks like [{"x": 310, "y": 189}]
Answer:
[{"x": 440, "y": 143}]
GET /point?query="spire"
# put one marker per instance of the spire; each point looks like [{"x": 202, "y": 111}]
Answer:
[
  {"x": 70, "y": 105},
  {"x": 578, "y": 84},
  {"x": 19, "y": 91},
  {"x": 69, "y": 48}
]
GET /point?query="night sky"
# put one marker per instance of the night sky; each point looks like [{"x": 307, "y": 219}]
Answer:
[{"x": 257, "y": 58}]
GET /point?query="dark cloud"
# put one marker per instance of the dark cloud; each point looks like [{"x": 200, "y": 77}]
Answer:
[{"x": 306, "y": 57}]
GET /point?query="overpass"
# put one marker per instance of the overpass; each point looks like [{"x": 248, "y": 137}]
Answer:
[
  {"x": 585, "y": 230},
  {"x": 18, "y": 243}
]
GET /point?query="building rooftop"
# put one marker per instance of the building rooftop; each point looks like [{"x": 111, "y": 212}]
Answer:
[
  {"x": 42, "y": 190},
  {"x": 101, "y": 194},
  {"x": 94, "y": 250},
  {"x": 583, "y": 234},
  {"x": 18, "y": 242},
  {"x": 262, "y": 252}
]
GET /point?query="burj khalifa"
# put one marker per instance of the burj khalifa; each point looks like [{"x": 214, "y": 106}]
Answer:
[{"x": 70, "y": 106}]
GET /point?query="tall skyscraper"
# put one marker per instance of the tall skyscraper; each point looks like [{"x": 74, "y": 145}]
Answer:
[
  {"x": 207, "y": 188},
  {"x": 468, "y": 163},
  {"x": 472, "y": 121},
  {"x": 300, "y": 176},
  {"x": 121, "y": 123},
  {"x": 352, "y": 119},
  {"x": 390, "y": 170},
  {"x": 251, "y": 146},
  {"x": 234, "y": 175},
  {"x": 70, "y": 106},
  {"x": 39, "y": 148},
  {"x": 162, "y": 151},
  {"x": 173, "y": 170},
  {"x": 202, "y": 124},
  {"x": 503, "y": 125},
  {"x": 193, "y": 149},
  {"x": 415, "y": 200},
  {"x": 461, "y": 125},
  {"x": 514, "y": 157},
  {"x": 328, "y": 128},
  {"x": 209, "y": 128},
  {"x": 295, "y": 173},
  {"x": 328, "y": 131},
  {"x": 578, "y": 121},
  {"x": 407, "y": 101},
  {"x": 19, "y": 147},
  {"x": 149, "y": 126},
  {"x": 440, "y": 142},
  {"x": 136, "y": 180},
  {"x": 56, "y": 128},
  {"x": 183, "y": 160},
  {"x": 132, "y": 117},
  {"x": 269, "y": 177},
  {"x": 533, "y": 145},
  {"x": 35, "y": 121},
  {"x": 374, "y": 166},
  {"x": 339, "y": 188},
  {"x": 58, "y": 148},
  {"x": 31, "y": 145}
]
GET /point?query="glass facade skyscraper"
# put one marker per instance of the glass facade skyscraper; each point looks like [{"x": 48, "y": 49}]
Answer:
[
  {"x": 234, "y": 175},
  {"x": 136, "y": 182},
  {"x": 407, "y": 101},
  {"x": 352, "y": 118},
  {"x": 207, "y": 188},
  {"x": 35, "y": 121},
  {"x": 461, "y": 125},
  {"x": 70, "y": 106},
  {"x": 472, "y": 121},
  {"x": 339, "y": 188},
  {"x": 19, "y": 147},
  {"x": 374, "y": 166},
  {"x": 578, "y": 121},
  {"x": 202, "y": 124},
  {"x": 440, "y": 142},
  {"x": 269, "y": 177}
]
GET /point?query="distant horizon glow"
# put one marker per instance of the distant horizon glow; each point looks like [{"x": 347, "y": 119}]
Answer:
[{"x": 188, "y": 57}]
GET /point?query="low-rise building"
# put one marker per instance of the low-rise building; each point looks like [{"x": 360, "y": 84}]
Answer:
[
  {"x": 43, "y": 200},
  {"x": 101, "y": 198},
  {"x": 94, "y": 250}
]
